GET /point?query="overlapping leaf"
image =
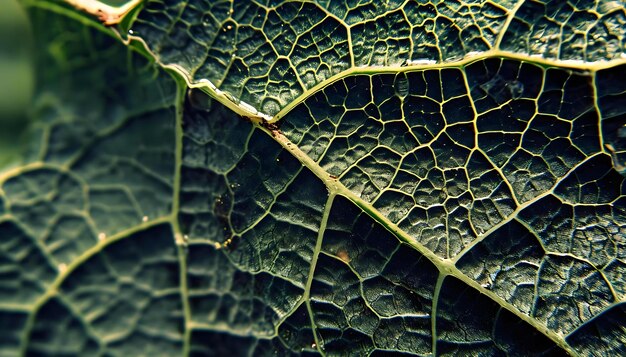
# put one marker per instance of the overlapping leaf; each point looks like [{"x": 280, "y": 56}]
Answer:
[{"x": 269, "y": 53}]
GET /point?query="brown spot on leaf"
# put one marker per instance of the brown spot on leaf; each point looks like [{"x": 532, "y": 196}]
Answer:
[{"x": 343, "y": 255}]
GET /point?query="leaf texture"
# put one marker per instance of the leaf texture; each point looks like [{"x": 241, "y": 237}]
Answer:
[{"x": 440, "y": 178}]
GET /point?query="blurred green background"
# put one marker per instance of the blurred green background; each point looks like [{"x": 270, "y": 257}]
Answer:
[{"x": 16, "y": 79}]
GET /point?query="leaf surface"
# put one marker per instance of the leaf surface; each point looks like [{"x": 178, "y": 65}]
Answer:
[{"x": 427, "y": 185}]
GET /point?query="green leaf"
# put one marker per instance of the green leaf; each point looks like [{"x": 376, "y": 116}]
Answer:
[
  {"x": 16, "y": 88},
  {"x": 437, "y": 178},
  {"x": 271, "y": 53},
  {"x": 102, "y": 162}
]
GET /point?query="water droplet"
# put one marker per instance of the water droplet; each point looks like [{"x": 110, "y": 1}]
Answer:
[
  {"x": 62, "y": 268},
  {"x": 131, "y": 32},
  {"x": 206, "y": 20},
  {"x": 102, "y": 236},
  {"x": 144, "y": 219},
  {"x": 313, "y": 345},
  {"x": 401, "y": 85}
]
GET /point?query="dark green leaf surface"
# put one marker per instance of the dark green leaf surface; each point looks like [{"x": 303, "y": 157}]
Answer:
[
  {"x": 428, "y": 187},
  {"x": 268, "y": 53}
]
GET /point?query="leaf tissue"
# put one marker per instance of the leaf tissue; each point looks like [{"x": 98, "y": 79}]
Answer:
[{"x": 329, "y": 177}]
